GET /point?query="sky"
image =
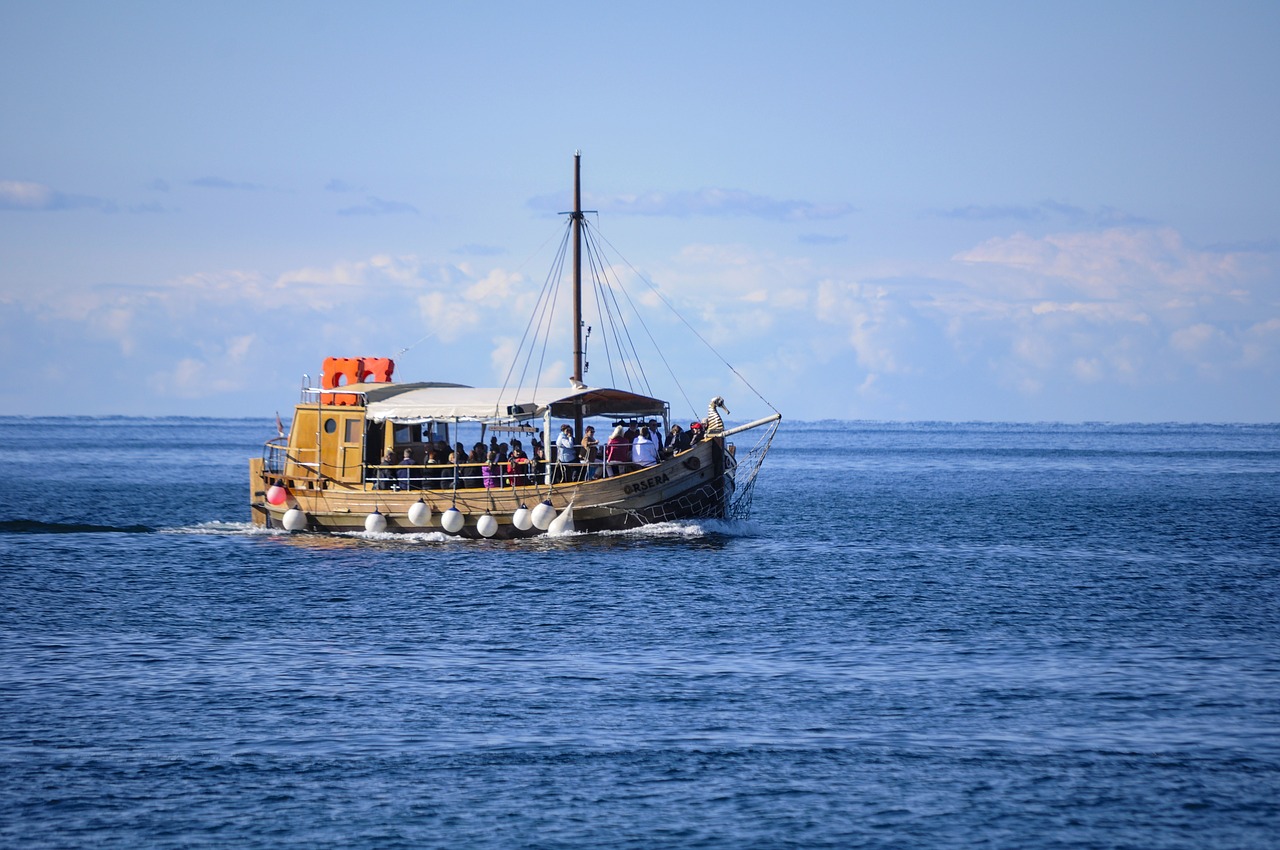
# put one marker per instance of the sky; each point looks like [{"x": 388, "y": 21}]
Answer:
[{"x": 889, "y": 211}]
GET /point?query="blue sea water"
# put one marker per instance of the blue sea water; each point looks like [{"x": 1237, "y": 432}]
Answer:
[{"x": 927, "y": 635}]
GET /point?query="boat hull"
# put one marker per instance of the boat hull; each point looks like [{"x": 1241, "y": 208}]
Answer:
[{"x": 691, "y": 485}]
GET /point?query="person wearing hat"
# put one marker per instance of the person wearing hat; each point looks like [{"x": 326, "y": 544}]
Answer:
[{"x": 695, "y": 433}]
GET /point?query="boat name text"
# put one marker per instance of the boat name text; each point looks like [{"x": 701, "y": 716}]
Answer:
[{"x": 641, "y": 486}]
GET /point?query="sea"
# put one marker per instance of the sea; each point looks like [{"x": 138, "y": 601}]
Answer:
[{"x": 925, "y": 635}]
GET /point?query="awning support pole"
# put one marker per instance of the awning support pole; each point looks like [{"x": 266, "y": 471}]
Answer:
[{"x": 546, "y": 443}]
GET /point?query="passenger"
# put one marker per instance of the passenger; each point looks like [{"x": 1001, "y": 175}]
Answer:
[
  {"x": 677, "y": 440},
  {"x": 539, "y": 458},
  {"x": 491, "y": 472},
  {"x": 454, "y": 475},
  {"x": 518, "y": 467},
  {"x": 695, "y": 433},
  {"x": 591, "y": 453},
  {"x": 655, "y": 433},
  {"x": 407, "y": 480},
  {"x": 503, "y": 450},
  {"x": 566, "y": 454},
  {"x": 386, "y": 477},
  {"x": 442, "y": 457},
  {"x": 644, "y": 451},
  {"x": 617, "y": 453},
  {"x": 475, "y": 466}
]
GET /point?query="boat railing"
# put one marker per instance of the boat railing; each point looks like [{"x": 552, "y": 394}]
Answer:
[
  {"x": 441, "y": 476},
  {"x": 308, "y": 394},
  {"x": 275, "y": 455},
  {"x": 277, "y": 460}
]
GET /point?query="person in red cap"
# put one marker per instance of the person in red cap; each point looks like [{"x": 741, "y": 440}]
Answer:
[{"x": 695, "y": 428}]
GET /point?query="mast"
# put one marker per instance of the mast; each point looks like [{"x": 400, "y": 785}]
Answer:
[
  {"x": 577, "y": 266},
  {"x": 577, "y": 286}
]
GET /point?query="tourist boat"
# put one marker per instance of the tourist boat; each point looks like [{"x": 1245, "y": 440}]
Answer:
[{"x": 363, "y": 453}]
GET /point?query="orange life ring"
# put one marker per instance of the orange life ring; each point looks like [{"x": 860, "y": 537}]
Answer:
[
  {"x": 355, "y": 370},
  {"x": 376, "y": 370},
  {"x": 332, "y": 373}
]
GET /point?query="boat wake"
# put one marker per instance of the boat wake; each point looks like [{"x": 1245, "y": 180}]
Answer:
[
  {"x": 400, "y": 537},
  {"x": 687, "y": 529},
  {"x": 673, "y": 530},
  {"x": 32, "y": 526},
  {"x": 244, "y": 529}
]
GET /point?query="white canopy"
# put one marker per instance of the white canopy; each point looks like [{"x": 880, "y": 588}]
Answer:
[
  {"x": 473, "y": 403},
  {"x": 421, "y": 403}
]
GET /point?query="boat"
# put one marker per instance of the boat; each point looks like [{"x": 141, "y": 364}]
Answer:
[{"x": 366, "y": 453}]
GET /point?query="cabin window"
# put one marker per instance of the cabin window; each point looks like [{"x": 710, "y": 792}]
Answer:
[
  {"x": 434, "y": 431},
  {"x": 353, "y": 431},
  {"x": 330, "y": 425}
]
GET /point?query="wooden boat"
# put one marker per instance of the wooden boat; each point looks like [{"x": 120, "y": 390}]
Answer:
[{"x": 363, "y": 454}]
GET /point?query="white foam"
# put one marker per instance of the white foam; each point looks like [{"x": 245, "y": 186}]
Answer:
[
  {"x": 399, "y": 537},
  {"x": 689, "y": 529},
  {"x": 232, "y": 529},
  {"x": 680, "y": 530}
]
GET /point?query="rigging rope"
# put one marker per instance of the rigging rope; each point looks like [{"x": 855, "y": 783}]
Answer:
[
  {"x": 605, "y": 288},
  {"x": 692, "y": 329},
  {"x": 536, "y": 318}
]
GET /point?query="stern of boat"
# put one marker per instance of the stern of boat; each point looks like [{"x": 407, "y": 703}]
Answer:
[{"x": 258, "y": 493}]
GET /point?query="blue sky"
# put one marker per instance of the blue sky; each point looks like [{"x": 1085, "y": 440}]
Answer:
[{"x": 908, "y": 211}]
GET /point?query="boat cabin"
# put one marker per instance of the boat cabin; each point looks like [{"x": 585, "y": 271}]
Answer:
[{"x": 384, "y": 435}]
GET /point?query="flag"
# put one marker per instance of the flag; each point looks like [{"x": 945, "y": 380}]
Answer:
[{"x": 279, "y": 425}]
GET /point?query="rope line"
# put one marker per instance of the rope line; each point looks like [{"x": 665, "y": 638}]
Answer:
[{"x": 692, "y": 329}]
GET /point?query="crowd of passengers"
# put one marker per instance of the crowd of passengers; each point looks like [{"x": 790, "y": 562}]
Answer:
[{"x": 630, "y": 447}]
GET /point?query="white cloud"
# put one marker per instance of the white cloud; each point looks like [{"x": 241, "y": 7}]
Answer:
[
  {"x": 1124, "y": 308},
  {"x": 495, "y": 288},
  {"x": 224, "y": 367},
  {"x": 20, "y": 195},
  {"x": 450, "y": 316},
  {"x": 1022, "y": 317},
  {"x": 26, "y": 196},
  {"x": 1110, "y": 264},
  {"x": 1195, "y": 339}
]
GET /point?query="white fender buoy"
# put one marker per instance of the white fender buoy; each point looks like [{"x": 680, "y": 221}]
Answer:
[
  {"x": 277, "y": 495},
  {"x": 294, "y": 520},
  {"x": 562, "y": 524},
  {"x": 420, "y": 514},
  {"x": 522, "y": 519},
  {"x": 375, "y": 523},
  {"x": 487, "y": 525},
  {"x": 543, "y": 514},
  {"x": 452, "y": 520}
]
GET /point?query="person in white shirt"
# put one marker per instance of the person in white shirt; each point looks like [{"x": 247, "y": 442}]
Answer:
[
  {"x": 655, "y": 433},
  {"x": 567, "y": 454},
  {"x": 644, "y": 451}
]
